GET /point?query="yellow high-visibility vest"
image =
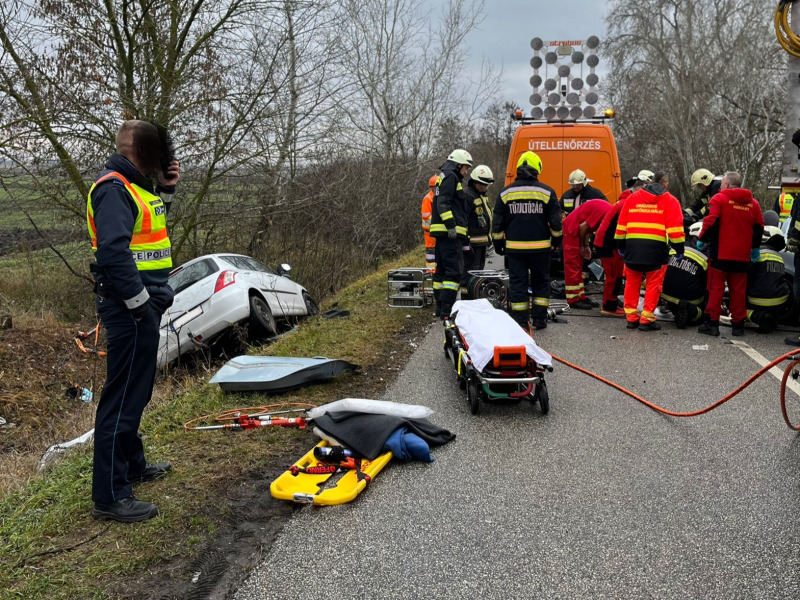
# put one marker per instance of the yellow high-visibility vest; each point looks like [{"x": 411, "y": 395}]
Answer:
[{"x": 150, "y": 242}]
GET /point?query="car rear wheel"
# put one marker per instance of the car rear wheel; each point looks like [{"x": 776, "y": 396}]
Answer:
[
  {"x": 261, "y": 320},
  {"x": 311, "y": 306}
]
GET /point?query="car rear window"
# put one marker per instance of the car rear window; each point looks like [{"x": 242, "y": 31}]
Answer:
[
  {"x": 186, "y": 276},
  {"x": 245, "y": 263}
]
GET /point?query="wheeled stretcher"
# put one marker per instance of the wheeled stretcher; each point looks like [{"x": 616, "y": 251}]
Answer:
[{"x": 494, "y": 359}]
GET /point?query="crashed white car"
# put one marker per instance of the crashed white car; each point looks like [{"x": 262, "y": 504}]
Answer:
[{"x": 216, "y": 291}]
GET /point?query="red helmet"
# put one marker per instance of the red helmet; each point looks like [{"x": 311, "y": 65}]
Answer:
[{"x": 433, "y": 181}]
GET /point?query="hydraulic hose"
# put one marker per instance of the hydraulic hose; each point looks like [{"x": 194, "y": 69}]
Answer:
[
  {"x": 787, "y": 38},
  {"x": 789, "y": 355}
]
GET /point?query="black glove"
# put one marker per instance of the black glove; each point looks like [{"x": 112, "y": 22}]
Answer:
[
  {"x": 452, "y": 234},
  {"x": 793, "y": 245},
  {"x": 688, "y": 220},
  {"x": 499, "y": 246},
  {"x": 555, "y": 242},
  {"x": 141, "y": 311},
  {"x": 796, "y": 137}
]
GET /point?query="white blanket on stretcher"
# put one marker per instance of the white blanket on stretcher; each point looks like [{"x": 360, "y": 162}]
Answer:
[{"x": 484, "y": 327}]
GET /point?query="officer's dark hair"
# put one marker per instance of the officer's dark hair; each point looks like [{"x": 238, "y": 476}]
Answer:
[
  {"x": 659, "y": 176},
  {"x": 147, "y": 142}
]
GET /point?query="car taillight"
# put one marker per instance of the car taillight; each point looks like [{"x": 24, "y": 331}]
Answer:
[{"x": 224, "y": 279}]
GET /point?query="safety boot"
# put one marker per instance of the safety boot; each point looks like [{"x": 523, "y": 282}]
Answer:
[
  {"x": 127, "y": 510},
  {"x": 682, "y": 314},
  {"x": 709, "y": 328},
  {"x": 649, "y": 326},
  {"x": 737, "y": 328},
  {"x": 539, "y": 323}
]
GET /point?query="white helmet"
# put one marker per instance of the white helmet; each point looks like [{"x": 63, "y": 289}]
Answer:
[
  {"x": 482, "y": 174},
  {"x": 645, "y": 175},
  {"x": 696, "y": 228},
  {"x": 578, "y": 177},
  {"x": 461, "y": 157}
]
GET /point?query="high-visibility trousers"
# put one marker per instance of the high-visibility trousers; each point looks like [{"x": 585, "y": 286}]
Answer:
[
  {"x": 446, "y": 278},
  {"x": 613, "y": 270},
  {"x": 654, "y": 282},
  {"x": 573, "y": 269},
  {"x": 522, "y": 268},
  {"x": 737, "y": 289}
]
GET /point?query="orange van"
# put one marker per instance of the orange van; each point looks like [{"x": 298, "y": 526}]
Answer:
[{"x": 564, "y": 147}]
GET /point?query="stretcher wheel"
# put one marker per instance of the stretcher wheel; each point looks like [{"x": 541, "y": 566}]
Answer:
[
  {"x": 473, "y": 396},
  {"x": 543, "y": 397}
]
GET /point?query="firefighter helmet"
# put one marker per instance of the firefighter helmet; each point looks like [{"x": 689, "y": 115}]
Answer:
[
  {"x": 645, "y": 175},
  {"x": 578, "y": 177},
  {"x": 461, "y": 157},
  {"x": 773, "y": 237},
  {"x": 482, "y": 174},
  {"x": 531, "y": 159},
  {"x": 702, "y": 176},
  {"x": 433, "y": 181}
]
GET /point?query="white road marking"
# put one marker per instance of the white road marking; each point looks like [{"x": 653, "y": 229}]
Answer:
[{"x": 761, "y": 360}]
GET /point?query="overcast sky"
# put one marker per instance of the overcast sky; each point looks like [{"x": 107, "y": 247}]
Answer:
[{"x": 504, "y": 36}]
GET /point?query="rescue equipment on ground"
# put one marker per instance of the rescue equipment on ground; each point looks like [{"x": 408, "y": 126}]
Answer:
[
  {"x": 491, "y": 285},
  {"x": 276, "y": 374},
  {"x": 312, "y": 481},
  {"x": 409, "y": 287},
  {"x": 253, "y": 417},
  {"x": 81, "y": 336},
  {"x": 494, "y": 359}
]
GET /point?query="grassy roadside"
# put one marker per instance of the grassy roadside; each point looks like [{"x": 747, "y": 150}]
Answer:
[{"x": 51, "y": 548}]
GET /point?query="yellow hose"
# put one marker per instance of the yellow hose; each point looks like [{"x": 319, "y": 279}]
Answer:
[{"x": 787, "y": 38}]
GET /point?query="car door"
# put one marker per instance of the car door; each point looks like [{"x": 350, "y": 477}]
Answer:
[{"x": 283, "y": 294}]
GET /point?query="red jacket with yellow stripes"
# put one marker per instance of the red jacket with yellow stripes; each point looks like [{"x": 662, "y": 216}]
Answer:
[{"x": 650, "y": 221}]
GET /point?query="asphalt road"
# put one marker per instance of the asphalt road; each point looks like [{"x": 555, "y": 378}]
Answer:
[{"x": 601, "y": 498}]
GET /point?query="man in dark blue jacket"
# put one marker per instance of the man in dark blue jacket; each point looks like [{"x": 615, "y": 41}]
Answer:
[
  {"x": 449, "y": 218},
  {"x": 127, "y": 225},
  {"x": 525, "y": 227}
]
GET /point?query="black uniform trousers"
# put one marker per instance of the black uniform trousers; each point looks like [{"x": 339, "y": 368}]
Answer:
[
  {"x": 522, "y": 268},
  {"x": 132, "y": 348},
  {"x": 446, "y": 278}
]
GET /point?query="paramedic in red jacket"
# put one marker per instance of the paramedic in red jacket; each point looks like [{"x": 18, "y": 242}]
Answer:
[
  {"x": 732, "y": 231},
  {"x": 649, "y": 223},
  {"x": 613, "y": 265},
  {"x": 578, "y": 228}
]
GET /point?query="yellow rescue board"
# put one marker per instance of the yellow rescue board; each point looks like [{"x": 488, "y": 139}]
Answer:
[{"x": 307, "y": 488}]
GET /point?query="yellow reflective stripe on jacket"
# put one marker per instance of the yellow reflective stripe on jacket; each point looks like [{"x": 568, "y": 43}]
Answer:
[
  {"x": 697, "y": 257},
  {"x": 479, "y": 239},
  {"x": 767, "y": 301},
  {"x": 447, "y": 215},
  {"x": 525, "y": 193},
  {"x": 529, "y": 245}
]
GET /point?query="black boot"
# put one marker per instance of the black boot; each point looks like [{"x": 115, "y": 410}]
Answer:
[
  {"x": 737, "y": 328},
  {"x": 709, "y": 328},
  {"x": 127, "y": 510}
]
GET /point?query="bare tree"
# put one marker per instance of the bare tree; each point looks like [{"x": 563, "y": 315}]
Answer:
[{"x": 697, "y": 83}]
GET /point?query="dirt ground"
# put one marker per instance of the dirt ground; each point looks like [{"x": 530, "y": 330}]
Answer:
[{"x": 40, "y": 361}]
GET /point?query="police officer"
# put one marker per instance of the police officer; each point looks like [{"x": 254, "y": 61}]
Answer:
[
  {"x": 479, "y": 226},
  {"x": 768, "y": 293},
  {"x": 526, "y": 224},
  {"x": 685, "y": 286},
  {"x": 449, "y": 226},
  {"x": 127, "y": 225},
  {"x": 705, "y": 181}
]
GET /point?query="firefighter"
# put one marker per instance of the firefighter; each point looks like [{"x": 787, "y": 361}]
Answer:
[
  {"x": 613, "y": 265},
  {"x": 649, "y": 223},
  {"x": 578, "y": 228},
  {"x": 732, "y": 230},
  {"x": 702, "y": 179},
  {"x": 768, "y": 293},
  {"x": 580, "y": 191},
  {"x": 126, "y": 218},
  {"x": 479, "y": 226},
  {"x": 449, "y": 218},
  {"x": 783, "y": 206},
  {"x": 526, "y": 225},
  {"x": 430, "y": 241},
  {"x": 685, "y": 286}
]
